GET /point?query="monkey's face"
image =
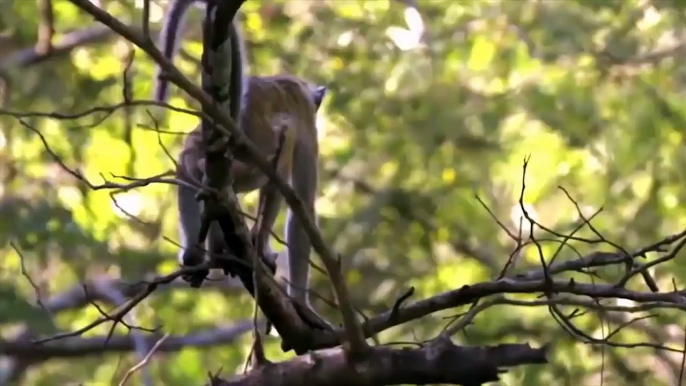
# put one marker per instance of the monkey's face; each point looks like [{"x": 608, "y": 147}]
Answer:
[{"x": 318, "y": 94}]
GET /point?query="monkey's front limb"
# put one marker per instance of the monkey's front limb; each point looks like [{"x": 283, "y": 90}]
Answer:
[
  {"x": 192, "y": 253},
  {"x": 304, "y": 182}
]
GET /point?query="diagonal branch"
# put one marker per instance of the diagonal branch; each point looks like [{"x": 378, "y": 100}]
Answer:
[
  {"x": 64, "y": 45},
  {"x": 80, "y": 346}
]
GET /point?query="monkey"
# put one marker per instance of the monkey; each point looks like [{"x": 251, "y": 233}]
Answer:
[{"x": 265, "y": 108}]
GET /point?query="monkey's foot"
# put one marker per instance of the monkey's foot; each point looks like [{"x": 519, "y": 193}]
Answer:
[
  {"x": 196, "y": 278},
  {"x": 311, "y": 317},
  {"x": 270, "y": 261},
  {"x": 192, "y": 257},
  {"x": 263, "y": 251}
]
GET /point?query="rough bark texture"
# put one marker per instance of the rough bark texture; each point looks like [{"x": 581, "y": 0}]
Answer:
[{"x": 438, "y": 362}]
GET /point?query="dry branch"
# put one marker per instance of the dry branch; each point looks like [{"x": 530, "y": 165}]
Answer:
[
  {"x": 144, "y": 361},
  {"x": 64, "y": 45},
  {"x": 437, "y": 362},
  {"x": 75, "y": 297}
]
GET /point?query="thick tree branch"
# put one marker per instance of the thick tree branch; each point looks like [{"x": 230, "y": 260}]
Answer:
[{"x": 437, "y": 362}]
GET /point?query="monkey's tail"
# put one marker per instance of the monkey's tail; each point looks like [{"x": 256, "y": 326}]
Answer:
[
  {"x": 304, "y": 181},
  {"x": 237, "y": 87},
  {"x": 172, "y": 28}
]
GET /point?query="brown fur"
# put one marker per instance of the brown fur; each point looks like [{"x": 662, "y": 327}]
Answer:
[{"x": 273, "y": 104}]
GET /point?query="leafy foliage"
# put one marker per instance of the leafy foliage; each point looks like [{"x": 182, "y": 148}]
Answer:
[{"x": 425, "y": 111}]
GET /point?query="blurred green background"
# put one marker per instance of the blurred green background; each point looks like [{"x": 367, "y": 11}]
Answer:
[{"x": 427, "y": 108}]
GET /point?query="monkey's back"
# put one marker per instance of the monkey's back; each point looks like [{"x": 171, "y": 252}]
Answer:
[
  {"x": 275, "y": 105},
  {"x": 271, "y": 105},
  {"x": 275, "y": 101}
]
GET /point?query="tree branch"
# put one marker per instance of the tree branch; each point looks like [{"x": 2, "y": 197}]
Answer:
[
  {"x": 70, "y": 41},
  {"x": 437, "y": 362}
]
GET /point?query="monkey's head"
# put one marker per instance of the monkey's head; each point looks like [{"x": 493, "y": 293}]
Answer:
[{"x": 318, "y": 94}]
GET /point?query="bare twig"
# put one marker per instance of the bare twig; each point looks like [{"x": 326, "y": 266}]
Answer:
[
  {"x": 145, "y": 360},
  {"x": 25, "y": 273},
  {"x": 128, "y": 306},
  {"x": 84, "y": 346},
  {"x": 66, "y": 44},
  {"x": 146, "y": 20}
]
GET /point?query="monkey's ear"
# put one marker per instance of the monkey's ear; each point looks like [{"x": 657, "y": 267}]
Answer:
[{"x": 319, "y": 94}]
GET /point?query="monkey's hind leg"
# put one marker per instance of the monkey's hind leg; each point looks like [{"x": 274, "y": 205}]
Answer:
[
  {"x": 304, "y": 183},
  {"x": 191, "y": 253}
]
